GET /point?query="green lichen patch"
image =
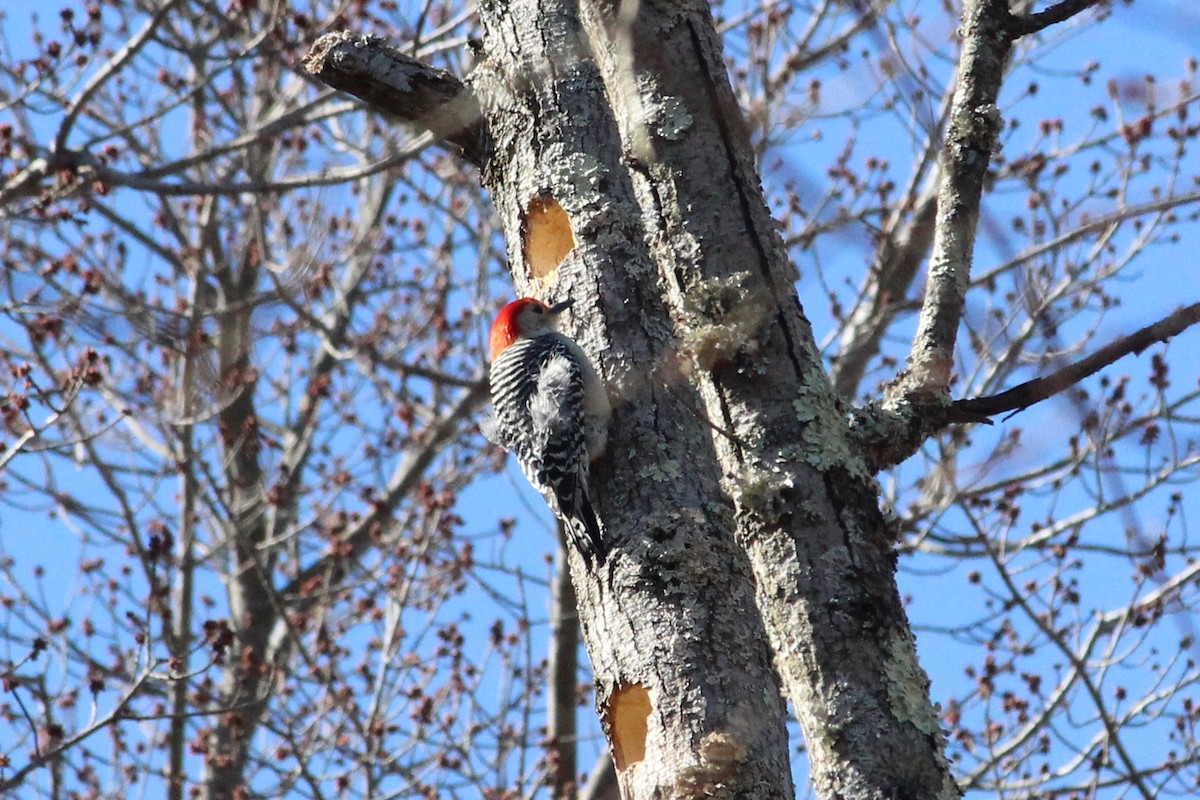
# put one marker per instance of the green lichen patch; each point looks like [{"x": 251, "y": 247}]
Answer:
[
  {"x": 669, "y": 118},
  {"x": 759, "y": 491},
  {"x": 723, "y": 320},
  {"x": 908, "y": 686},
  {"x": 576, "y": 178}
]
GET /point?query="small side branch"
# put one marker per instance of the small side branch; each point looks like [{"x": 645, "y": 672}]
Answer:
[
  {"x": 970, "y": 138},
  {"x": 1026, "y": 24},
  {"x": 395, "y": 84},
  {"x": 1038, "y": 389},
  {"x": 989, "y": 30},
  {"x": 888, "y": 433}
]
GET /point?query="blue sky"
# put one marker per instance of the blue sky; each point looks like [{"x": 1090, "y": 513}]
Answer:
[{"x": 1147, "y": 36}]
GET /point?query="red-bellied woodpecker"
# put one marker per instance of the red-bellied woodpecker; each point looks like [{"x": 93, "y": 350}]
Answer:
[{"x": 551, "y": 412}]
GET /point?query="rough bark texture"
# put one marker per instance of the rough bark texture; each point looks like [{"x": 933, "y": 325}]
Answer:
[
  {"x": 735, "y": 503},
  {"x": 806, "y": 510},
  {"x": 672, "y": 610},
  {"x": 402, "y": 87}
]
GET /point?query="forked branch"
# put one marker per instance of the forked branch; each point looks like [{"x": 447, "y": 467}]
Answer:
[{"x": 890, "y": 432}]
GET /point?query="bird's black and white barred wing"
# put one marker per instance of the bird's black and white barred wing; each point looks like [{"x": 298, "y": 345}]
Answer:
[{"x": 538, "y": 395}]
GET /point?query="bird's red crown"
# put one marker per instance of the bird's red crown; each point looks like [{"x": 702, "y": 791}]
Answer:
[{"x": 507, "y": 327}]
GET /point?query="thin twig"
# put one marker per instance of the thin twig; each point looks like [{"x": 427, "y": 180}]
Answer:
[
  {"x": 1025, "y": 24},
  {"x": 1038, "y": 389}
]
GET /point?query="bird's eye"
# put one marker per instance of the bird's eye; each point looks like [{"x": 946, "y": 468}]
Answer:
[{"x": 537, "y": 309}]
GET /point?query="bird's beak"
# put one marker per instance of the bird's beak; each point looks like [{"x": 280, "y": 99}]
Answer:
[{"x": 558, "y": 308}]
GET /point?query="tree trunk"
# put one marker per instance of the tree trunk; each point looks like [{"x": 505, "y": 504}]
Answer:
[
  {"x": 684, "y": 679},
  {"x": 806, "y": 507},
  {"x": 743, "y": 524}
]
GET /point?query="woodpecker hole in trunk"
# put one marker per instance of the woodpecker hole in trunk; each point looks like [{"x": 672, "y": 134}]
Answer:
[
  {"x": 628, "y": 711},
  {"x": 548, "y": 238}
]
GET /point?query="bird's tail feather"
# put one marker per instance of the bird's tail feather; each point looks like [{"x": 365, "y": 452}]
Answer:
[
  {"x": 570, "y": 502},
  {"x": 584, "y": 528}
]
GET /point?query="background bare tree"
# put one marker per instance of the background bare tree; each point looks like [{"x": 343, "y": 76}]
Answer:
[
  {"x": 243, "y": 378},
  {"x": 244, "y": 546}
]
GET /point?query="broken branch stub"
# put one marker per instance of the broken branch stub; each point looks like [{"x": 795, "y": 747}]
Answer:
[{"x": 395, "y": 84}]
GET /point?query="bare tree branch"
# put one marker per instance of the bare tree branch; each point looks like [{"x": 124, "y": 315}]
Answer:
[
  {"x": 384, "y": 78},
  {"x": 1085, "y": 228},
  {"x": 1038, "y": 389},
  {"x": 110, "y": 69},
  {"x": 1024, "y": 24},
  {"x": 974, "y": 125},
  {"x": 42, "y": 758},
  {"x": 331, "y": 568},
  {"x": 896, "y": 265},
  {"x": 563, "y": 679},
  {"x": 890, "y": 433},
  {"x": 87, "y": 170}
]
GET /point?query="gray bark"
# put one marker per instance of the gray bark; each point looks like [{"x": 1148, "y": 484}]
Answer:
[
  {"x": 974, "y": 126},
  {"x": 806, "y": 509},
  {"x": 683, "y": 671},
  {"x": 736, "y": 497}
]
